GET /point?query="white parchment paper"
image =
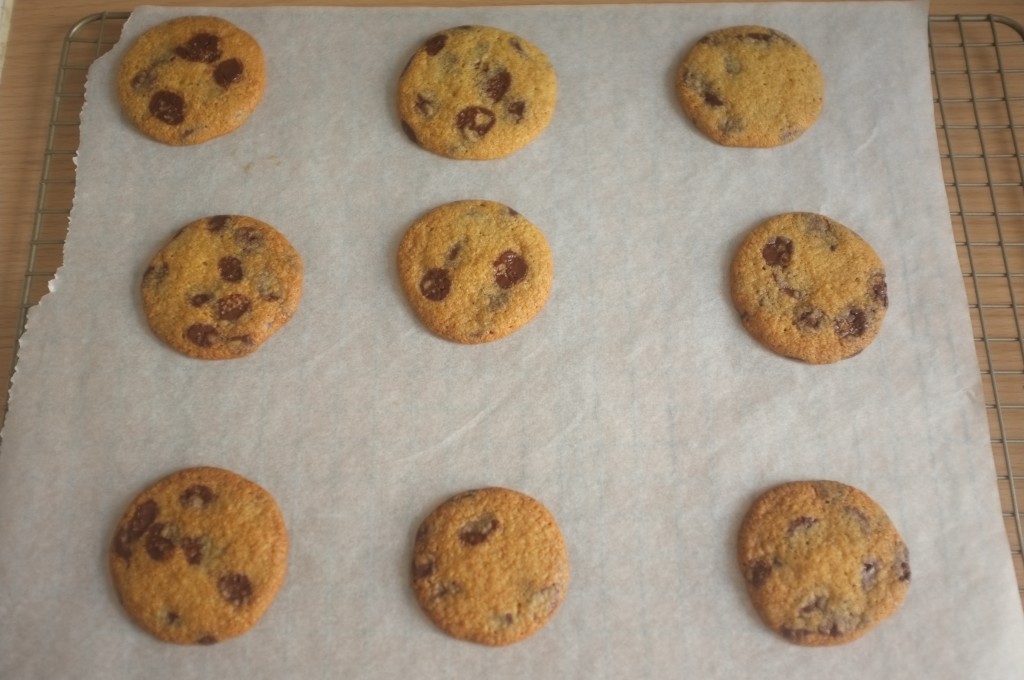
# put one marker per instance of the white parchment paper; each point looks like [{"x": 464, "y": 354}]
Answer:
[{"x": 635, "y": 406}]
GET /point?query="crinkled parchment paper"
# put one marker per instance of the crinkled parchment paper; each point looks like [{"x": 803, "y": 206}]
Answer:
[{"x": 635, "y": 406}]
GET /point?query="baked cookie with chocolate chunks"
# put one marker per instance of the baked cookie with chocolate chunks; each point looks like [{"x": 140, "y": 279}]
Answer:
[
  {"x": 822, "y": 561},
  {"x": 191, "y": 79},
  {"x": 222, "y": 286},
  {"x": 475, "y": 271},
  {"x": 490, "y": 566},
  {"x": 750, "y": 86},
  {"x": 476, "y": 92},
  {"x": 809, "y": 288},
  {"x": 198, "y": 557}
]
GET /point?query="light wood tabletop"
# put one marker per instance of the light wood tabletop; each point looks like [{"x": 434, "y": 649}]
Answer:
[{"x": 29, "y": 73}]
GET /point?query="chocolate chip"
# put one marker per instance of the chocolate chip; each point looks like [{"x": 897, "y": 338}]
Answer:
[
  {"x": 435, "y": 44},
  {"x": 821, "y": 227},
  {"x": 880, "y": 289},
  {"x": 712, "y": 99},
  {"x": 809, "y": 319},
  {"x": 422, "y": 532},
  {"x": 192, "y": 547},
  {"x": 447, "y": 589},
  {"x": 478, "y": 530},
  {"x": 509, "y": 269},
  {"x": 778, "y": 252},
  {"x": 496, "y": 302},
  {"x": 156, "y": 273},
  {"x": 230, "y": 269},
  {"x": 817, "y": 604},
  {"x": 158, "y": 546},
  {"x": 475, "y": 119},
  {"x": 201, "y": 334},
  {"x": 423, "y": 568},
  {"x": 409, "y": 132},
  {"x": 453, "y": 252},
  {"x": 167, "y": 107},
  {"x": 517, "y": 109},
  {"x": 242, "y": 339},
  {"x": 201, "y": 47},
  {"x": 859, "y": 516},
  {"x": 759, "y": 573},
  {"x": 761, "y": 37},
  {"x": 497, "y": 85},
  {"x": 852, "y": 325},
  {"x": 869, "y": 574},
  {"x": 731, "y": 125},
  {"x": 141, "y": 520},
  {"x": 197, "y": 496},
  {"x": 425, "y": 106},
  {"x": 217, "y": 222},
  {"x": 232, "y": 307},
  {"x": 903, "y": 563},
  {"x": 200, "y": 299},
  {"x": 143, "y": 80},
  {"x": 801, "y": 524},
  {"x": 228, "y": 72},
  {"x": 207, "y": 640},
  {"x": 172, "y": 618},
  {"x": 235, "y": 588},
  {"x": 518, "y": 46},
  {"x": 436, "y": 284},
  {"x": 249, "y": 239}
]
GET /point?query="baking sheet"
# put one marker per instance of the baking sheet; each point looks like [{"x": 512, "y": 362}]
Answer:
[{"x": 635, "y": 406}]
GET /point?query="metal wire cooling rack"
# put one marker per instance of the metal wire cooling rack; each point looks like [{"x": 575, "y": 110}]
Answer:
[{"x": 979, "y": 112}]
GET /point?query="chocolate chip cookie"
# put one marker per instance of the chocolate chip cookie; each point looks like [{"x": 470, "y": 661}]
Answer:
[
  {"x": 809, "y": 288},
  {"x": 191, "y": 79},
  {"x": 222, "y": 286},
  {"x": 476, "y": 92},
  {"x": 750, "y": 86},
  {"x": 475, "y": 271},
  {"x": 198, "y": 557},
  {"x": 822, "y": 562},
  {"x": 490, "y": 566}
]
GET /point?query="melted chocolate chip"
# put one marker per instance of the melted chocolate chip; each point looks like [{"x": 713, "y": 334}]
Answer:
[
  {"x": 517, "y": 109},
  {"x": 425, "y": 106},
  {"x": 852, "y": 325},
  {"x": 200, "y": 299},
  {"x": 435, "y": 44},
  {"x": 197, "y": 496},
  {"x": 201, "y": 334},
  {"x": 143, "y": 80},
  {"x": 497, "y": 85},
  {"x": 453, "y": 252},
  {"x": 880, "y": 289},
  {"x": 475, "y": 119},
  {"x": 172, "y": 618},
  {"x": 228, "y": 72},
  {"x": 517, "y": 46},
  {"x": 869, "y": 574},
  {"x": 731, "y": 125},
  {"x": 509, "y": 269},
  {"x": 423, "y": 568},
  {"x": 217, "y": 222},
  {"x": 207, "y": 640},
  {"x": 202, "y": 47},
  {"x": 235, "y": 588},
  {"x": 233, "y": 307},
  {"x": 778, "y": 252},
  {"x": 167, "y": 107},
  {"x": 230, "y": 269},
  {"x": 158, "y": 546},
  {"x": 809, "y": 319},
  {"x": 249, "y": 239},
  {"x": 759, "y": 573},
  {"x": 801, "y": 524},
  {"x": 712, "y": 99},
  {"x": 192, "y": 547},
  {"x": 436, "y": 284},
  {"x": 479, "y": 530},
  {"x": 760, "y": 37},
  {"x": 141, "y": 520}
]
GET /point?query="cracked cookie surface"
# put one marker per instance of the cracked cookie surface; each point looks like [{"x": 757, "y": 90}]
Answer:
[
  {"x": 750, "y": 86},
  {"x": 822, "y": 562},
  {"x": 198, "y": 557},
  {"x": 475, "y": 271},
  {"x": 221, "y": 286},
  {"x": 191, "y": 79},
  {"x": 809, "y": 288},
  {"x": 476, "y": 92},
  {"x": 490, "y": 566}
]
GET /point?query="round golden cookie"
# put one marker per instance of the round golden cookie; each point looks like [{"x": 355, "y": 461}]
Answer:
[
  {"x": 490, "y": 566},
  {"x": 198, "y": 557},
  {"x": 750, "y": 86},
  {"x": 475, "y": 92},
  {"x": 822, "y": 562},
  {"x": 475, "y": 271},
  {"x": 809, "y": 288},
  {"x": 191, "y": 79},
  {"x": 222, "y": 286}
]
